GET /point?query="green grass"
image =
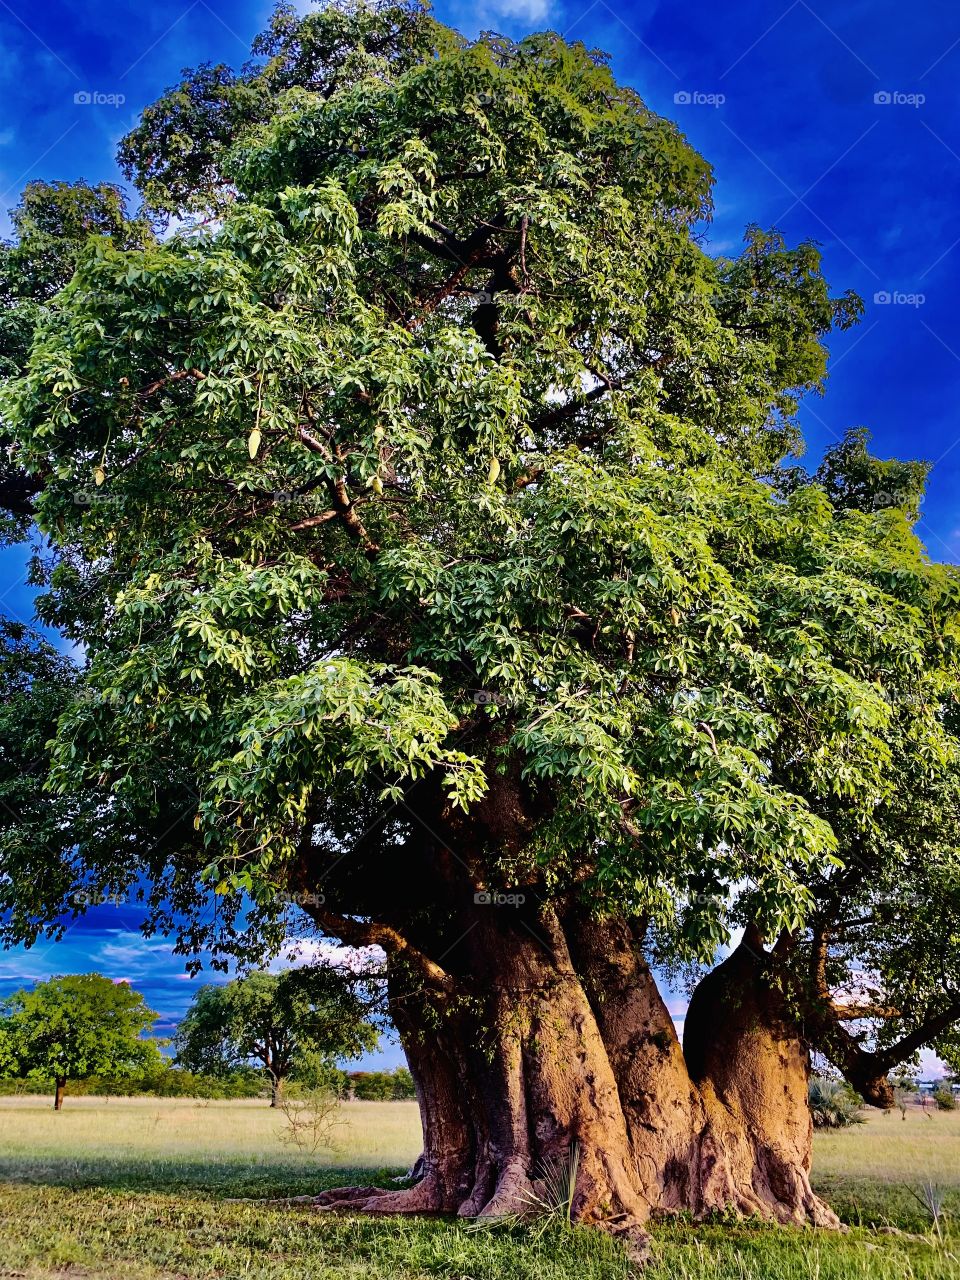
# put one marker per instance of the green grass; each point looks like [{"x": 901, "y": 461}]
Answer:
[{"x": 145, "y": 1189}]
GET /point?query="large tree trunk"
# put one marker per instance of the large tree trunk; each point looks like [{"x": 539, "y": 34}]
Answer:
[
  {"x": 752, "y": 1068},
  {"x": 514, "y": 1081},
  {"x": 59, "y": 1087},
  {"x": 541, "y": 1043},
  {"x": 665, "y": 1112},
  {"x": 722, "y": 1123}
]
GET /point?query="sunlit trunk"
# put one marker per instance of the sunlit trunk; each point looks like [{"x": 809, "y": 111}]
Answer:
[{"x": 753, "y": 1069}]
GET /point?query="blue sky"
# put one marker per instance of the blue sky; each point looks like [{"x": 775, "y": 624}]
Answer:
[{"x": 835, "y": 123}]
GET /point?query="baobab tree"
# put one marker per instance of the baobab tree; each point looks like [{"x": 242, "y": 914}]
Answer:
[{"x": 446, "y": 562}]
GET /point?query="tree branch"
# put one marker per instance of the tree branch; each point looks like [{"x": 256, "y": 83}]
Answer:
[
  {"x": 552, "y": 416},
  {"x": 360, "y": 933},
  {"x": 170, "y": 377}
]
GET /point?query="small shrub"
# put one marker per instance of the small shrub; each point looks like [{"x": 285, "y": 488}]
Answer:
[
  {"x": 945, "y": 1100},
  {"x": 310, "y": 1119},
  {"x": 833, "y": 1104}
]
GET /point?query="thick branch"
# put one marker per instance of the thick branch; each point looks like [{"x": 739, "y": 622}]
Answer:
[
  {"x": 170, "y": 377},
  {"x": 824, "y": 1027},
  {"x": 921, "y": 1036},
  {"x": 552, "y": 416},
  {"x": 363, "y": 933}
]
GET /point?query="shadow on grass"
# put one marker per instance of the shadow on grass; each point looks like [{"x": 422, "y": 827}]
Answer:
[
  {"x": 217, "y": 1178},
  {"x": 880, "y": 1202},
  {"x": 860, "y": 1202}
]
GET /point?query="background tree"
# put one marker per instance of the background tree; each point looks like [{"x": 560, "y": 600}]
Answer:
[
  {"x": 290, "y": 1023},
  {"x": 494, "y": 617},
  {"x": 75, "y": 1026}
]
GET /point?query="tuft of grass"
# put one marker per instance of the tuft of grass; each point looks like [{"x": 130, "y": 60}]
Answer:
[
  {"x": 549, "y": 1202},
  {"x": 932, "y": 1198}
]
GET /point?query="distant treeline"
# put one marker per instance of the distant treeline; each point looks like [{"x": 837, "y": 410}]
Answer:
[
  {"x": 244, "y": 1082},
  {"x": 381, "y": 1086}
]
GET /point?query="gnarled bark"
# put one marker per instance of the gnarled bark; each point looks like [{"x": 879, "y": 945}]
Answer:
[
  {"x": 532, "y": 1037},
  {"x": 663, "y": 1107},
  {"x": 752, "y": 1069},
  {"x": 514, "y": 1078},
  {"x": 722, "y": 1123}
]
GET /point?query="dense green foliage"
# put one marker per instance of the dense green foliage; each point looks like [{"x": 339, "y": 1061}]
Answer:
[
  {"x": 52, "y": 224},
  {"x": 75, "y": 1026},
  {"x": 38, "y": 685},
  {"x": 295, "y": 1024}
]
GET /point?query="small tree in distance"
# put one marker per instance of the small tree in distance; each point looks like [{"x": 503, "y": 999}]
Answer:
[
  {"x": 75, "y": 1026},
  {"x": 286, "y": 1022}
]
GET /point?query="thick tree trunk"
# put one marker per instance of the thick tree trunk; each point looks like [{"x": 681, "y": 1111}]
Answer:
[
  {"x": 60, "y": 1085},
  {"x": 722, "y": 1123},
  {"x": 552, "y": 1047},
  {"x": 665, "y": 1112},
  {"x": 430, "y": 1038},
  {"x": 276, "y": 1091},
  {"x": 513, "y": 1083},
  {"x": 753, "y": 1069}
]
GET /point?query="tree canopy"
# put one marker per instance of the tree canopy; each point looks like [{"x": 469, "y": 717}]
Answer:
[
  {"x": 291, "y": 1023},
  {"x": 71, "y": 1027}
]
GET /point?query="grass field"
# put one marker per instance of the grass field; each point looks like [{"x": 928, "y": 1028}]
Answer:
[{"x": 158, "y": 1189}]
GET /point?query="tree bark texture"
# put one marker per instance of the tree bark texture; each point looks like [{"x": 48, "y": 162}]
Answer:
[{"x": 552, "y": 1048}]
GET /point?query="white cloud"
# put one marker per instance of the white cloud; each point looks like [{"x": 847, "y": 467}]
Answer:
[
  {"x": 297, "y": 952},
  {"x": 515, "y": 17},
  {"x": 527, "y": 11},
  {"x": 130, "y": 953}
]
